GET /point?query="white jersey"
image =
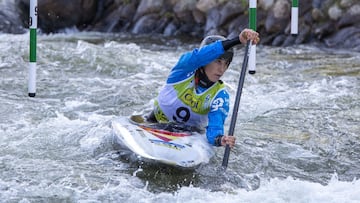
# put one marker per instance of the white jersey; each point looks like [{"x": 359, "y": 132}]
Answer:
[{"x": 179, "y": 102}]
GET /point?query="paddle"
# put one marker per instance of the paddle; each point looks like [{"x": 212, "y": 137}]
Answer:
[{"x": 237, "y": 102}]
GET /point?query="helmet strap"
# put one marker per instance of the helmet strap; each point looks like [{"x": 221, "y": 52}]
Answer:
[{"x": 201, "y": 78}]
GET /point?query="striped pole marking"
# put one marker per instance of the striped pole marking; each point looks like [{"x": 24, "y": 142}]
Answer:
[
  {"x": 294, "y": 17},
  {"x": 32, "y": 64},
  {"x": 252, "y": 25}
]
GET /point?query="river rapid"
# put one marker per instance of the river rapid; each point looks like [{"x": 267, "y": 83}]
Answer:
[{"x": 297, "y": 130}]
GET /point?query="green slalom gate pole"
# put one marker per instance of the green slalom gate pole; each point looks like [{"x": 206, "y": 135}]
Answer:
[
  {"x": 294, "y": 17},
  {"x": 252, "y": 25},
  {"x": 32, "y": 64}
]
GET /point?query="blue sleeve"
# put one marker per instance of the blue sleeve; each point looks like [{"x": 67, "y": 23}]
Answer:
[
  {"x": 218, "y": 113},
  {"x": 191, "y": 61}
]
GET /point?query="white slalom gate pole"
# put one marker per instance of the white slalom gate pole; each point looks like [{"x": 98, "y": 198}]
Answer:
[
  {"x": 252, "y": 25},
  {"x": 294, "y": 17},
  {"x": 32, "y": 64}
]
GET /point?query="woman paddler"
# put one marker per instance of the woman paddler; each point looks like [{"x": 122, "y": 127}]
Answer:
[{"x": 194, "y": 94}]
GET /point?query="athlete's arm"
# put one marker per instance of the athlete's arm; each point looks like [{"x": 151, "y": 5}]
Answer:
[
  {"x": 191, "y": 61},
  {"x": 216, "y": 118},
  {"x": 229, "y": 43}
]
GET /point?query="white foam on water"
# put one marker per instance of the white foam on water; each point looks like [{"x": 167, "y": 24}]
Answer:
[
  {"x": 57, "y": 146},
  {"x": 273, "y": 191}
]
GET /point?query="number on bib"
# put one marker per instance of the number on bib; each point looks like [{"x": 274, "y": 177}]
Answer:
[{"x": 182, "y": 115}]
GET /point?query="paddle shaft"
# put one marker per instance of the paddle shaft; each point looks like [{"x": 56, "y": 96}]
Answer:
[{"x": 237, "y": 102}]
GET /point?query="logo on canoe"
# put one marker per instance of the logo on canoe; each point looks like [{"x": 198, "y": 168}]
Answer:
[
  {"x": 165, "y": 135},
  {"x": 167, "y": 144}
]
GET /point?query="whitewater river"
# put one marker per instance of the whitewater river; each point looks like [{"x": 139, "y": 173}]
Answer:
[{"x": 298, "y": 127}]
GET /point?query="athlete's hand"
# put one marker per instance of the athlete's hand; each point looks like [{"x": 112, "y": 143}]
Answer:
[
  {"x": 249, "y": 34},
  {"x": 228, "y": 140}
]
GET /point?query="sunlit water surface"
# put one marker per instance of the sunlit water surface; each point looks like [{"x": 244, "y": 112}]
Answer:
[{"x": 297, "y": 129}]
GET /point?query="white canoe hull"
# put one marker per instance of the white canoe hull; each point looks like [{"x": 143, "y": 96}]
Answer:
[{"x": 182, "y": 149}]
